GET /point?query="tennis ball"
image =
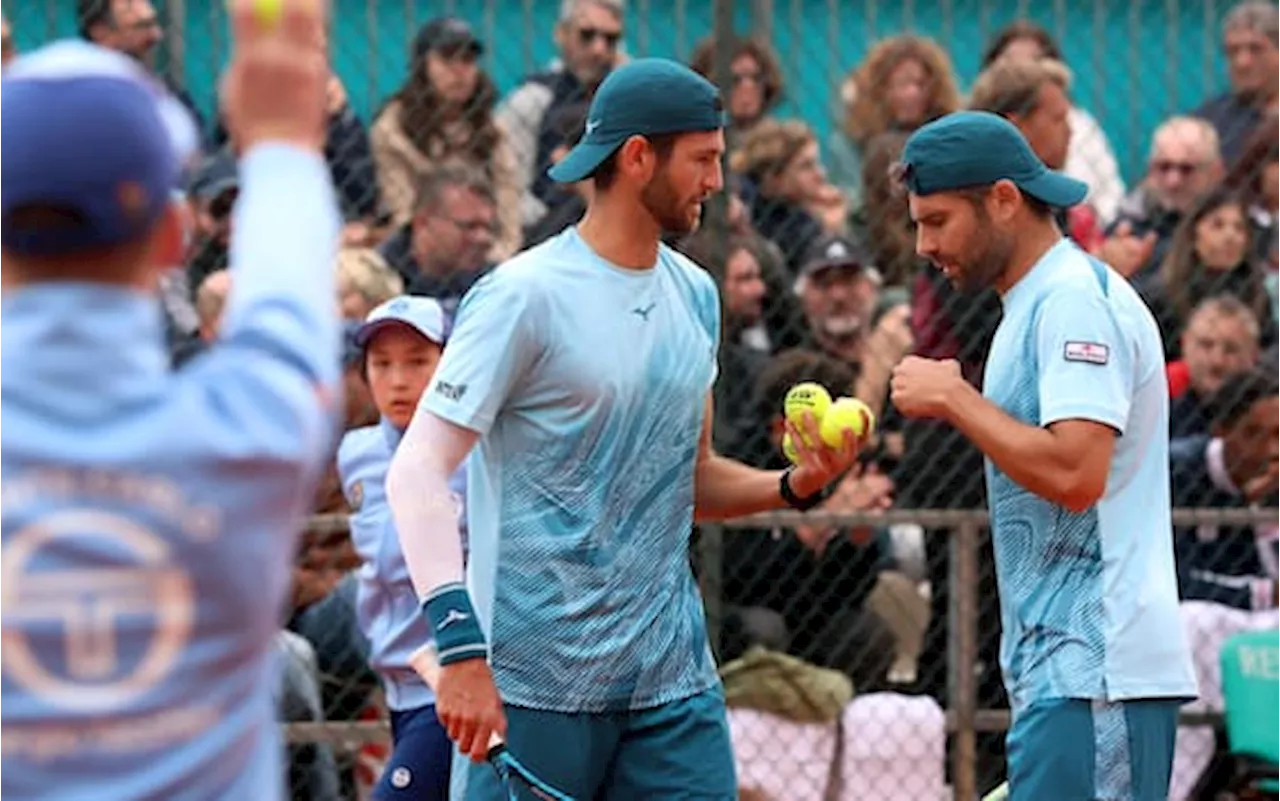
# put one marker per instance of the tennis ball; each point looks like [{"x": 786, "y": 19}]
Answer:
[
  {"x": 268, "y": 11},
  {"x": 806, "y": 397},
  {"x": 846, "y": 414},
  {"x": 789, "y": 449}
]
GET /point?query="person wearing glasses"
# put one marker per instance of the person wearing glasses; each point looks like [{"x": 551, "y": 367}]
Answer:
[{"x": 588, "y": 36}]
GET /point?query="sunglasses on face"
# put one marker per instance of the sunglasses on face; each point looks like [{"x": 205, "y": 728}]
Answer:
[
  {"x": 588, "y": 36},
  {"x": 1182, "y": 168}
]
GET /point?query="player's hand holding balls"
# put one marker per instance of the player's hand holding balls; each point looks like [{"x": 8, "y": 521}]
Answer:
[
  {"x": 274, "y": 89},
  {"x": 923, "y": 387},
  {"x": 822, "y": 436}
]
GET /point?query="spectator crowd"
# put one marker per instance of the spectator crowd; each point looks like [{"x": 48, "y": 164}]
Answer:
[{"x": 814, "y": 253}]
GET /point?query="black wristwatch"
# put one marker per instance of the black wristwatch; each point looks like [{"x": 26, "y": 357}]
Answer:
[{"x": 793, "y": 500}]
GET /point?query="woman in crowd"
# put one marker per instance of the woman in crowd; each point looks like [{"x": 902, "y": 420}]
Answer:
[
  {"x": 1211, "y": 254},
  {"x": 882, "y": 222},
  {"x": 756, "y": 82},
  {"x": 444, "y": 113},
  {"x": 904, "y": 82},
  {"x": 401, "y": 342},
  {"x": 1256, "y": 176},
  {"x": 784, "y": 186}
]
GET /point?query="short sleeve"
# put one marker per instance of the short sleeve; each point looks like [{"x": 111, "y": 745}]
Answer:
[
  {"x": 1085, "y": 361},
  {"x": 492, "y": 346},
  {"x": 709, "y": 315}
]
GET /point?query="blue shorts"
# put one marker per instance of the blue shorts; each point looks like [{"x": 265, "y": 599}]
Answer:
[
  {"x": 420, "y": 760},
  {"x": 677, "y": 750},
  {"x": 1079, "y": 750}
]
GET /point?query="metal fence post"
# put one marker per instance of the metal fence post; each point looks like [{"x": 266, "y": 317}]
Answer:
[{"x": 962, "y": 653}]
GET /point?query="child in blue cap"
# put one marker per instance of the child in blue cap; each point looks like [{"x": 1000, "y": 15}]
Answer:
[{"x": 399, "y": 345}]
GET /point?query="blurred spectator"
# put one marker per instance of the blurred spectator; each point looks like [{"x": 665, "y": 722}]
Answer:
[
  {"x": 840, "y": 295},
  {"x": 1256, "y": 176},
  {"x": 755, "y": 78},
  {"x": 1249, "y": 41},
  {"x": 1210, "y": 254},
  {"x": 211, "y": 300},
  {"x": 904, "y": 82},
  {"x": 1090, "y": 157},
  {"x": 1234, "y": 467},
  {"x": 1032, "y": 94},
  {"x": 1220, "y": 341},
  {"x": 882, "y": 223},
  {"x": 589, "y": 35},
  {"x": 779, "y": 574},
  {"x": 213, "y": 191},
  {"x": 364, "y": 281},
  {"x": 782, "y": 179},
  {"x": 312, "y": 771},
  {"x": 1227, "y": 575},
  {"x": 444, "y": 247},
  {"x": 133, "y": 28},
  {"x": 1185, "y": 163},
  {"x": 350, "y": 159},
  {"x": 745, "y": 343},
  {"x": 443, "y": 115},
  {"x": 7, "y": 49},
  {"x": 565, "y": 204}
]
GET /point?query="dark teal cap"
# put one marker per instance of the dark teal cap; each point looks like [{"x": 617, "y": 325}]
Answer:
[
  {"x": 644, "y": 97},
  {"x": 975, "y": 148}
]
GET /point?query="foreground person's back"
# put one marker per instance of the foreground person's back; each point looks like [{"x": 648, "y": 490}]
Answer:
[{"x": 150, "y": 518}]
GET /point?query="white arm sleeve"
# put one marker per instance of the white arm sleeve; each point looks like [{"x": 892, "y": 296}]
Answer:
[{"x": 423, "y": 509}]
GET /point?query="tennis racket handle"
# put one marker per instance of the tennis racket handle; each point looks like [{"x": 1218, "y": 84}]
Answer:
[{"x": 426, "y": 664}]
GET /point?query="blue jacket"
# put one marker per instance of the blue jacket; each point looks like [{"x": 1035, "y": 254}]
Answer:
[{"x": 151, "y": 517}]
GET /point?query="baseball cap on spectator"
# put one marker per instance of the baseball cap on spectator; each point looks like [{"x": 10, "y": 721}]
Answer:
[
  {"x": 836, "y": 251},
  {"x": 446, "y": 35},
  {"x": 644, "y": 97},
  {"x": 976, "y": 148},
  {"x": 94, "y": 139},
  {"x": 422, "y": 314},
  {"x": 215, "y": 176}
]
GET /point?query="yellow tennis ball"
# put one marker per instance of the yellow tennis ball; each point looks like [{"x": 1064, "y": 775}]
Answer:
[
  {"x": 789, "y": 449},
  {"x": 806, "y": 397},
  {"x": 268, "y": 11},
  {"x": 846, "y": 414}
]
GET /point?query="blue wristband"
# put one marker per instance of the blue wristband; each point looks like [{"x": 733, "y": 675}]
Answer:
[{"x": 454, "y": 625}]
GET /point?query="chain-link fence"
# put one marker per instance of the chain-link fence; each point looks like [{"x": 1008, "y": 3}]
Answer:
[{"x": 439, "y": 138}]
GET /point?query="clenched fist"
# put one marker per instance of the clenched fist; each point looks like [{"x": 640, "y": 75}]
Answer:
[{"x": 922, "y": 387}]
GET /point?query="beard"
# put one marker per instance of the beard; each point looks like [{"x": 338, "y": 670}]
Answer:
[
  {"x": 675, "y": 215},
  {"x": 979, "y": 269}
]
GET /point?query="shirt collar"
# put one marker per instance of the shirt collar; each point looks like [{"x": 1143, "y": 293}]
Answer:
[{"x": 393, "y": 434}]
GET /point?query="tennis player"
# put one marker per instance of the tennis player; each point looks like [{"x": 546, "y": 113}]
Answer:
[
  {"x": 1074, "y": 421},
  {"x": 150, "y": 518},
  {"x": 400, "y": 344},
  {"x": 583, "y": 369}
]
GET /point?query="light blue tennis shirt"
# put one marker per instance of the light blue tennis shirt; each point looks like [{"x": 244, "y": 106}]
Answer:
[
  {"x": 588, "y": 384},
  {"x": 1088, "y": 601},
  {"x": 151, "y": 519},
  {"x": 387, "y": 608}
]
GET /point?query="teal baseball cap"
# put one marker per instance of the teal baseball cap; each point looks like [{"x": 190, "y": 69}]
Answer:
[
  {"x": 644, "y": 97},
  {"x": 975, "y": 148}
]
